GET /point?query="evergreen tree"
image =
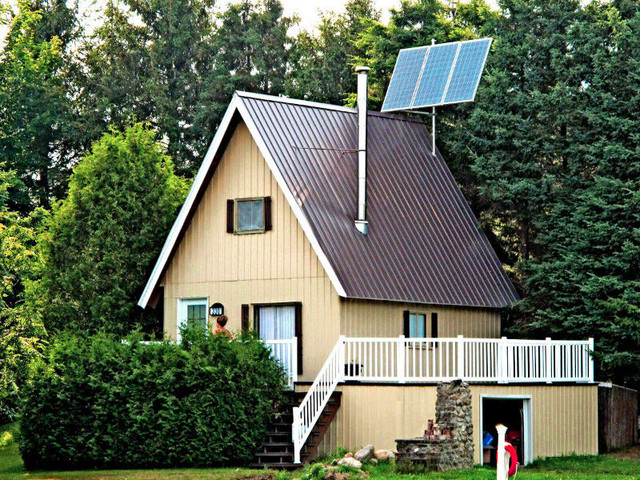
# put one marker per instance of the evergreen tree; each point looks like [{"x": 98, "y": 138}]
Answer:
[
  {"x": 322, "y": 65},
  {"x": 586, "y": 280},
  {"x": 252, "y": 51},
  {"x": 102, "y": 240},
  {"x": 511, "y": 144},
  {"x": 151, "y": 70},
  {"x": 178, "y": 67}
]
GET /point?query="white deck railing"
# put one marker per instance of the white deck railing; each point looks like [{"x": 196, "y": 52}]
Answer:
[
  {"x": 471, "y": 359},
  {"x": 403, "y": 360},
  {"x": 286, "y": 352}
]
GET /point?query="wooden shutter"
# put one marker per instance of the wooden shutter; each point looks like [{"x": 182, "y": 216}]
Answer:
[
  {"x": 298, "y": 330},
  {"x": 230, "y": 211},
  {"x": 406, "y": 328},
  {"x": 245, "y": 318},
  {"x": 434, "y": 325},
  {"x": 424, "y": 324},
  {"x": 267, "y": 214}
]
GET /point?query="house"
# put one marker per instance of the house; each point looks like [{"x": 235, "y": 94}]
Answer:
[{"x": 379, "y": 300}]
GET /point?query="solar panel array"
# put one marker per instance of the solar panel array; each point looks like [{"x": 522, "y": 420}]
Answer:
[{"x": 436, "y": 75}]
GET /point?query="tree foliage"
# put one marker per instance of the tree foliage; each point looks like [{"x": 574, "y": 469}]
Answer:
[
  {"x": 323, "y": 63},
  {"x": 177, "y": 67},
  {"x": 103, "y": 238},
  {"x": 35, "y": 110},
  {"x": 547, "y": 154},
  {"x": 20, "y": 327}
]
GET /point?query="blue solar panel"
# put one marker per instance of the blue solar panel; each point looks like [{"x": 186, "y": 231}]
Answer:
[
  {"x": 404, "y": 79},
  {"x": 466, "y": 75},
  {"x": 435, "y": 74}
]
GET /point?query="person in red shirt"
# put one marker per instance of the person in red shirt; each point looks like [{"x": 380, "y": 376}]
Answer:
[{"x": 221, "y": 322}]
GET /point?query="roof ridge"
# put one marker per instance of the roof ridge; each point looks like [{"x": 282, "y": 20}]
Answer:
[
  {"x": 325, "y": 106},
  {"x": 294, "y": 101}
]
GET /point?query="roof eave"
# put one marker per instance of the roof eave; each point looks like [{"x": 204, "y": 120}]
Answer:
[{"x": 199, "y": 182}]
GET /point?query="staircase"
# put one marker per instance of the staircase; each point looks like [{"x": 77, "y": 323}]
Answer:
[{"x": 277, "y": 451}]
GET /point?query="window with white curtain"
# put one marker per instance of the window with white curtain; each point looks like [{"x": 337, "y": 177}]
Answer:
[{"x": 277, "y": 322}]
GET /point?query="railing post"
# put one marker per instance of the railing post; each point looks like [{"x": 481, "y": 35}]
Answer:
[
  {"x": 591, "y": 362},
  {"x": 342, "y": 363},
  {"x": 295, "y": 435},
  {"x": 549, "y": 371},
  {"x": 461, "y": 369},
  {"x": 294, "y": 361},
  {"x": 400, "y": 359},
  {"x": 503, "y": 368}
]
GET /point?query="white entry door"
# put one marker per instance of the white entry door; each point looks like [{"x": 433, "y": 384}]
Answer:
[{"x": 191, "y": 312}]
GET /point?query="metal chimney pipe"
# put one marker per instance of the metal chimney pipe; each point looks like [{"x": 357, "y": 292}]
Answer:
[{"x": 361, "y": 223}]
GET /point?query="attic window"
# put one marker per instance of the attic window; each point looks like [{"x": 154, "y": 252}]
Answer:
[{"x": 249, "y": 215}]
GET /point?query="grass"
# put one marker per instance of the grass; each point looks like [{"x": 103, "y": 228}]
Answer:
[
  {"x": 618, "y": 466},
  {"x": 591, "y": 467}
]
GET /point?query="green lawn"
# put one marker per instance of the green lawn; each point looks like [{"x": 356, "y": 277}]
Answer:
[{"x": 620, "y": 466}]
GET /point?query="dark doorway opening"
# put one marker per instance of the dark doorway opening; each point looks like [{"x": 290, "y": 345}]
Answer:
[{"x": 510, "y": 413}]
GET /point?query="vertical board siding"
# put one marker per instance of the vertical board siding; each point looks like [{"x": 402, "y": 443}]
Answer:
[
  {"x": 275, "y": 267},
  {"x": 564, "y": 418},
  {"x": 362, "y": 318},
  {"x": 618, "y": 417}
]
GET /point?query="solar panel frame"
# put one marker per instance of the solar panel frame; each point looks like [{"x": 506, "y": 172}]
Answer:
[
  {"x": 478, "y": 68},
  {"x": 474, "y": 81},
  {"x": 398, "y": 85},
  {"x": 436, "y": 70}
]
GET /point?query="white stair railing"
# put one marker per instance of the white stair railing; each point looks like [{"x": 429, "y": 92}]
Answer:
[{"x": 307, "y": 414}]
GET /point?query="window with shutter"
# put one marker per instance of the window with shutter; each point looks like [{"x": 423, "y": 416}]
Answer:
[{"x": 249, "y": 215}]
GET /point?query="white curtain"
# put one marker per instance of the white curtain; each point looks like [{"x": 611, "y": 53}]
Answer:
[{"x": 277, "y": 323}]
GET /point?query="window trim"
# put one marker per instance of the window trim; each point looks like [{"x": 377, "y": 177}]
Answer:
[
  {"x": 297, "y": 329},
  {"x": 185, "y": 302},
  {"x": 235, "y": 216}
]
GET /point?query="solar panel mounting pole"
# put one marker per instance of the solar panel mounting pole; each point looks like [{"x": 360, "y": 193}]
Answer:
[{"x": 433, "y": 120}]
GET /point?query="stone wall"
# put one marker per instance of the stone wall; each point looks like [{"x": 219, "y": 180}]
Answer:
[{"x": 453, "y": 415}]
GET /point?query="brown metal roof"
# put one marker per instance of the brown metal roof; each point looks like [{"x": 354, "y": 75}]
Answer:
[{"x": 424, "y": 244}]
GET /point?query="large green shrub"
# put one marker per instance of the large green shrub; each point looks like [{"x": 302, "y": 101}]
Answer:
[{"x": 99, "y": 402}]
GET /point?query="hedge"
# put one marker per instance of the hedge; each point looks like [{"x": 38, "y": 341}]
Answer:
[{"x": 102, "y": 403}]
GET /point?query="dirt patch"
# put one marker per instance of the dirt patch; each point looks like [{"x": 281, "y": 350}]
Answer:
[
  {"x": 265, "y": 476},
  {"x": 632, "y": 453}
]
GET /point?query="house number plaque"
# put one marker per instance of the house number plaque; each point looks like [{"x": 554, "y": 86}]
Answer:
[{"x": 216, "y": 310}]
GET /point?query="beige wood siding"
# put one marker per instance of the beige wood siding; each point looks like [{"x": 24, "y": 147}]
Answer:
[
  {"x": 363, "y": 318},
  {"x": 564, "y": 418},
  {"x": 273, "y": 267}
]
